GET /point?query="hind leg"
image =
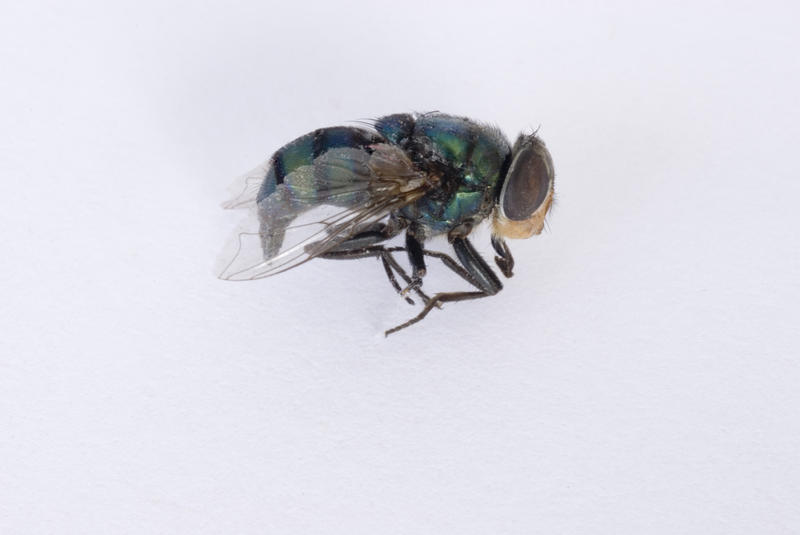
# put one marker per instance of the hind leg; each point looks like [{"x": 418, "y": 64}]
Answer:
[{"x": 363, "y": 245}]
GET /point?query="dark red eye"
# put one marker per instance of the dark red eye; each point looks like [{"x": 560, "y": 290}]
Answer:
[{"x": 528, "y": 180}]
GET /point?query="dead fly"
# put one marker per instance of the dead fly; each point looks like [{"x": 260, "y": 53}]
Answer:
[{"x": 341, "y": 192}]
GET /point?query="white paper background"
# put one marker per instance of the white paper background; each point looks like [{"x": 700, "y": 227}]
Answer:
[{"x": 639, "y": 374}]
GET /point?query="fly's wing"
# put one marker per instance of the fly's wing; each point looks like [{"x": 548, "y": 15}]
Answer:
[
  {"x": 246, "y": 188},
  {"x": 317, "y": 206}
]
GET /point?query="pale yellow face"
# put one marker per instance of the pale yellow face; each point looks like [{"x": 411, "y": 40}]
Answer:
[
  {"x": 506, "y": 228},
  {"x": 527, "y": 193}
]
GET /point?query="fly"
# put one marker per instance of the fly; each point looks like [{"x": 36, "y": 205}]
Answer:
[{"x": 341, "y": 192}]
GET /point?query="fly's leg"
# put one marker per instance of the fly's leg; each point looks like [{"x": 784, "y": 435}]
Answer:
[
  {"x": 436, "y": 300},
  {"x": 362, "y": 246},
  {"x": 416, "y": 257},
  {"x": 387, "y": 260},
  {"x": 504, "y": 260},
  {"x": 452, "y": 264},
  {"x": 473, "y": 269},
  {"x": 366, "y": 237},
  {"x": 390, "y": 265}
]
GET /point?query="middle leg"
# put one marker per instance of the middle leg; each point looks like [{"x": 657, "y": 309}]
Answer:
[
  {"x": 364, "y": 243},
  {"x": 416, "y": 257},
  {"x": 390, "y": 266},
  {"x": 473, "y": 269}
]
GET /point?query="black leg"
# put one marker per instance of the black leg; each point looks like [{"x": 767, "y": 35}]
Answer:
[
  {"x": 470, "y": 266},
  {"x": 475, "y": 270},
  {"x": 453, "y": 265},
  {"x": 477, "y": 267},
  {"x": 416, "y": 257},
  {"x": 437, "y": 300},
  {"x": 504, "y": 260},
  {"x": 390, "y": 265},
  {"x": 387, "y": 267},
  {"x": 362, "y": 245},
  {"x": 365, "y": 237}
]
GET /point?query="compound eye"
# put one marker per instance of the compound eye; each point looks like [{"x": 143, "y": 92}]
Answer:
[{"x": 528, "y": 182}]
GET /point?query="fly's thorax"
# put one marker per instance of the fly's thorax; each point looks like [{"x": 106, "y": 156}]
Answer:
[
  {"x": 463, "y": 157},
  {"x": 527, "y": 192}
]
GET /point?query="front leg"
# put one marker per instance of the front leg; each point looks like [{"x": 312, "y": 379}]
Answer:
[
  {"x": 504, "y": 260},
  {"x": 482, "y": 275}
]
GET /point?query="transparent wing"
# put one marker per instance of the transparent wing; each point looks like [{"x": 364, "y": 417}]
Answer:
[
  {"x": 318, "y": 206},
  {"x": 245, "y": 188}
]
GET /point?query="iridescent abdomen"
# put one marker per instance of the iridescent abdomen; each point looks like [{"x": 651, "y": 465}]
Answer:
[{"x": 305, "y": 149}]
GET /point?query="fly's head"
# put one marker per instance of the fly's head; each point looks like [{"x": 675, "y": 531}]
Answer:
[{"x": 527, "y": 192}]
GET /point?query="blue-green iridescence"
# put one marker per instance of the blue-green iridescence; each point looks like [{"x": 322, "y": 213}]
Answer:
[
  {"x": 396, "y": 128},
  {"x": 470, "y": 156},
  {"x": 303, "y": 150},
  {"x": 465, "y": 157}
]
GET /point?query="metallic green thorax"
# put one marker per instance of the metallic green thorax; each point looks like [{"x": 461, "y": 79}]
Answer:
[{"x": 468, "y": 157}]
